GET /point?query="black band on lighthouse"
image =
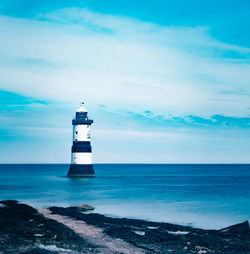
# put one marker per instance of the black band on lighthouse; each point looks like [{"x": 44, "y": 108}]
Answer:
[
  {"x": 82, "y": 121},
  {"x": 82, "y": 143},
  {"x": 81, "y": 149},
  {"x": 79, "y": 170}
]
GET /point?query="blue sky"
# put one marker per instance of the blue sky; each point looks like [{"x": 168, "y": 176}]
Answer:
[{"x": 164, "y": 81}]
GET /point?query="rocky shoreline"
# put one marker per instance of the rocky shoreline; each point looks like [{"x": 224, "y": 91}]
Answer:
[{"x": 24, "y": 229}]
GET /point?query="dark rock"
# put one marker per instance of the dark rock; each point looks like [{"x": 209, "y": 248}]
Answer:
[
  {"x": 166, "y": 237},
  {"x": 240, "y": 228},
  {"x": 22, "y": 228},
  {"x": 85, "y": 207}
]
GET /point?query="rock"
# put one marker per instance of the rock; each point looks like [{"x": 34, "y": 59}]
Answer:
[
  {"x": 22, "y": 229},
  {"x": 163, "y": 237},
  {"x": 240, "y": 228},
  {"x": 139, "y": 232},
  {"x": 85, "y": 207}
]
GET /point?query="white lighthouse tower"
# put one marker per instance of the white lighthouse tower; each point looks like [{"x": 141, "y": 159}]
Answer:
[{"x": 81, "y": 152}]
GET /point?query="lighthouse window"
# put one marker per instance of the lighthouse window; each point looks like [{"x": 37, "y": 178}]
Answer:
[{"x": 76, "y": 132}]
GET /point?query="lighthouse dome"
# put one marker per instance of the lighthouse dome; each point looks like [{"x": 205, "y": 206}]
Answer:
[{"x": 82, "y": 109}]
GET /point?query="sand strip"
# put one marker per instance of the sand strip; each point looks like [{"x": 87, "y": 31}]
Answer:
[{"x": 94, "y": 235}]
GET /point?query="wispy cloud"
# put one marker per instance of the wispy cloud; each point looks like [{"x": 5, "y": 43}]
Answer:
[
  {"x": 131, "y": 134},
  {"x": 236, "y": 92},
  {"x": 168, "y": 121},
  {"x": 76, "y": 53},
  {"x": 178, "y": 91},
  {"x": 118, "y": 25}
]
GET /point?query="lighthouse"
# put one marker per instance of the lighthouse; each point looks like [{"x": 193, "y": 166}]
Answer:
[{"x": 81, "y": 152}]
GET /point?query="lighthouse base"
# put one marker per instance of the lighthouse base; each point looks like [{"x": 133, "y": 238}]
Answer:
[{"x": 81, "y": 170}]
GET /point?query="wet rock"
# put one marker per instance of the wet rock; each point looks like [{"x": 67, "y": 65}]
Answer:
[
  {"x": 22, "y": 228},
  {"x": 240, "y": 228},
  {"x": 85, "y": 207},
  {"x": 166, "y": 237}
]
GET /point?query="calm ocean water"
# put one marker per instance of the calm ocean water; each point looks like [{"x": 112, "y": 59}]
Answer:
[{"x": 207, "y": 196}]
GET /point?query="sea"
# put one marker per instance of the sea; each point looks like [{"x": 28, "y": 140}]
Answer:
[{"x": 209, "y": 196}]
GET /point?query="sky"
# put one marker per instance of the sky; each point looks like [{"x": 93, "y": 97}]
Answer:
[{"x": 164, "y": 81}]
